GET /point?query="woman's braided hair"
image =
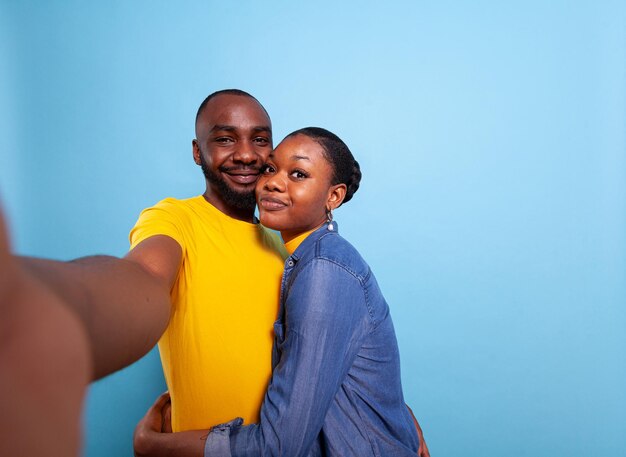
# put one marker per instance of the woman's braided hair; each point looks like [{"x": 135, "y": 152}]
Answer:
[{"x": 346, "y": 169}]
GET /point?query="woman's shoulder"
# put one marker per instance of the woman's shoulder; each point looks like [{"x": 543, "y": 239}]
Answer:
[{"x": 334, "y": 248}]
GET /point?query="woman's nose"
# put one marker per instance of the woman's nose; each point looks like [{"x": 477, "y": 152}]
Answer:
[{"x": 275, "y": 183}]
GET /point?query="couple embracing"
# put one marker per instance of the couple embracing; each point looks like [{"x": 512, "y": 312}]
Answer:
[
  {"x": 334, "y": 380},
  {"x": 287, "y": 344}
]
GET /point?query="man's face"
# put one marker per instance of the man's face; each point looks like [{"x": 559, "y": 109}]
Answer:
[{"x": 233, "y": 140}]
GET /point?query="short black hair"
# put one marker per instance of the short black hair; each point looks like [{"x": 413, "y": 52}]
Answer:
[
  {"x": 241, "y": 93},
  {"x": 346, "y": 169}
]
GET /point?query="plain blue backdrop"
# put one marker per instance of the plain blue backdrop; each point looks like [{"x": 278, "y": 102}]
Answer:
[{"x": 492, "y": 137}]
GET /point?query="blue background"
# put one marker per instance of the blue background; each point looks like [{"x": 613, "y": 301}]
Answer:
[{"x": 492, "y": 208}]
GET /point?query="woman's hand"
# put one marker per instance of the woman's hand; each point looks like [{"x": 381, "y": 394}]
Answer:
[{"x": 154, "y": 438}]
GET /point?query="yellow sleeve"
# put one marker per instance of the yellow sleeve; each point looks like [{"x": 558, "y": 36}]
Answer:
[{"x": 161, "y": 219}]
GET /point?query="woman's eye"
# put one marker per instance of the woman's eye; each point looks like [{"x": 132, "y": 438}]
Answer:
[
  {"x": 266, "y": 169},
  {"x": 299, "y": 174}
]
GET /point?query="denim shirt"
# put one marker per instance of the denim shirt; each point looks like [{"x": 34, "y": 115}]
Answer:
[{"x": 335, "y": 388}]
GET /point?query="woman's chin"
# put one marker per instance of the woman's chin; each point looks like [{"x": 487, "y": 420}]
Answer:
[{"x": 270, "y": 222}]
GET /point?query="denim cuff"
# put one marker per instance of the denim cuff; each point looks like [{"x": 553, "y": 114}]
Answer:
[{"x": 218, "y": 442}]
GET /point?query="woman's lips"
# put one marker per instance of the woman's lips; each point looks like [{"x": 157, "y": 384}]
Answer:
[{"x": 271, "y": 203}]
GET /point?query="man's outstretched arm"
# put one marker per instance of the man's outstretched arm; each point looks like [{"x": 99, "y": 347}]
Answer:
[
  {"x": 123, "y": 304},
  {"x": 45, "y": 365}
]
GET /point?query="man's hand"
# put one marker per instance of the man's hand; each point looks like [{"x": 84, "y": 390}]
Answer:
[
  {"x": 422, "y": 451},
  {"x": 7, "y": 264}
]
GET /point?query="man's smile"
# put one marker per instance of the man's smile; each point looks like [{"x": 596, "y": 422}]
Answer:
[{"x": 241, "y": 175}]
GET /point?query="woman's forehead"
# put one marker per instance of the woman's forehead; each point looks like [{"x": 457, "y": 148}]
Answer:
[{"x": 299, "y": 147}]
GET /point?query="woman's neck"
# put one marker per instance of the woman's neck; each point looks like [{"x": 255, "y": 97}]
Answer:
[
  {"x": 292, "y": 241},
  {"x": 288, "y": 235}
]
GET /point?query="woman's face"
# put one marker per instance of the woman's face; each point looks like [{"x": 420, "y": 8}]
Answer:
[{"x": 295, "y": 189}]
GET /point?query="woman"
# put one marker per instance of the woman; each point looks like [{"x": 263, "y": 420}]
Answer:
[{"x": 335, "y": 387}]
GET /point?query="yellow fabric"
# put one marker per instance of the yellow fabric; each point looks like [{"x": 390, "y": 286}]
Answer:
[
  {"x": 293, "y": 244},
  {"x": 216, "y": 351}
]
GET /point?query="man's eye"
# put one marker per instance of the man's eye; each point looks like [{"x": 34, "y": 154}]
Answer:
[
  {"x": 223, "y": 139},
  {"x": 261, "y": 140}
]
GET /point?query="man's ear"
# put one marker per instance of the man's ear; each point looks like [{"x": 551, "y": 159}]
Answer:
[
  {"x": 196, "y": 151},
  {"x": 336, "y": 194}
]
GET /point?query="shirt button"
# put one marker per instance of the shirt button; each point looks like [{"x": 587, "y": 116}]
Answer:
[{"x": 290, "y": 263}]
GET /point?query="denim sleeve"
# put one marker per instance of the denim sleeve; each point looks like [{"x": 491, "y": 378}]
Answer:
[
  {"x": 326, "y": 319},
  {"x": 218, "y": 441}
]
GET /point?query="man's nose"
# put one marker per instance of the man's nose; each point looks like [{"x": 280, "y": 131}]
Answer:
[{"x": 245, "y": 153}]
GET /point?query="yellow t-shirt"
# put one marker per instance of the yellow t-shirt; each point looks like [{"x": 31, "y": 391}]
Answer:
[{"x": 216, "y": 351}]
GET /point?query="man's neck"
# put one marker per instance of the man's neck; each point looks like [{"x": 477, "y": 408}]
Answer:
[{"x": 241, "y": 214}]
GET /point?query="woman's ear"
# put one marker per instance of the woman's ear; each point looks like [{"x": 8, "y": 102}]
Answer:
[{"x": 336, "y": 194}]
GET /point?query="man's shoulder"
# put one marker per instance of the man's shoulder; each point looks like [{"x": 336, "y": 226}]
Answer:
[
  {"x": 169, "y": 216},
  {"x": 270, "y": 234},
  {"x": 173, "y": 203},
  {"x": 159, "y": 219},
  {"x": 273, "y": 241},
  {"x": 171, "y": 207}
]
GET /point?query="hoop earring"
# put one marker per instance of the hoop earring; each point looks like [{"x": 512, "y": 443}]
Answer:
[{"x": 329, "y": 218}]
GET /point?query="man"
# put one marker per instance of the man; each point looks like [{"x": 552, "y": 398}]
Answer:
[
  {"x": 224, "y": 270},
  {"x": 215, "y": 136},
  {"x": 202, "y": 264}
]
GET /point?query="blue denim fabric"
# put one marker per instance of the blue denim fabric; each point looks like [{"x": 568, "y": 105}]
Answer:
[{"x": 335, "y": 387}]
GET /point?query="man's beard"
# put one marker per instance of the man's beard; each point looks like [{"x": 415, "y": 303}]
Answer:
[{"x": 234, "y": 199}]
